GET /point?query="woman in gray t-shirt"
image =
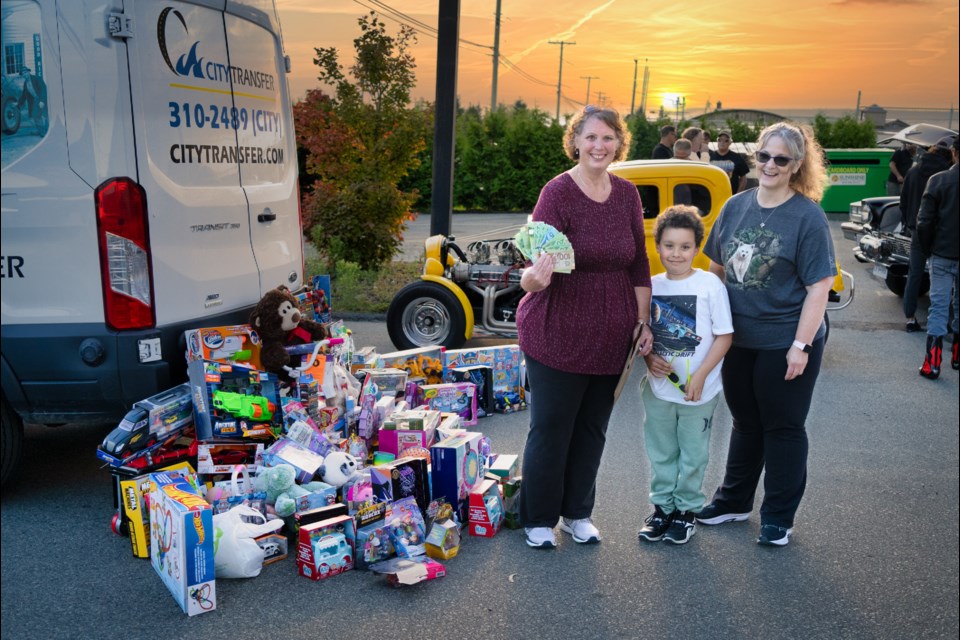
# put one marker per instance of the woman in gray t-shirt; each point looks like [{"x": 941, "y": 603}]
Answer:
[{"x": 772, "y": 248}]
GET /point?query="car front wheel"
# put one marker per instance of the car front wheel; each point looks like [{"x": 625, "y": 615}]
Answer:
[{"x": 424, "y": 314}]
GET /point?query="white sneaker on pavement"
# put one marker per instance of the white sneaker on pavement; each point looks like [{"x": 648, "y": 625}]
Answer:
[
  {"x": 582, "y": 530},
  {"x": 541, "y": 538}
]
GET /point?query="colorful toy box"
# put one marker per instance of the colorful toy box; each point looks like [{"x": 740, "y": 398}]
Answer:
[
  {"x": 486, "y": 509},
  {"x": 181, "y": 544},
  {"x": 363, "y": 358},
  {"x": 406, "y": 528},
  {"x": 237, "y": 344},
  {"x": 454, "y": 397},
  {"x": 443, "y": 541},
  {"x": 504, "y": 466},
  {"x": 456, "y": 467},
  {"x": 404, "y": 430},
  {"x": 234, "y": 401},
  {"x": 373, "y": 543},
  {"x": 511, "y": 503},
  {"x": 221, "y": 457},
  {"x": 327, "y": 548},
  {"x": 136, "y": 513},
  {"x": 423, "y": 362},
  {"x": 505, "y": 361},
  {"x": 406, "y": 477},
  {"x": 377, "y": 384},
  {"x": 482, "y": 377},
  {"x": 304, "y": 461}
]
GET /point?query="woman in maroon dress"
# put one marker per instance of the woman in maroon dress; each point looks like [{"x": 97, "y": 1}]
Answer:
[{"x": 576, "y": 329}]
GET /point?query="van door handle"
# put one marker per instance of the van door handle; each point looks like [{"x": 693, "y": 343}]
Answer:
[{"x": 267, "y": 216}]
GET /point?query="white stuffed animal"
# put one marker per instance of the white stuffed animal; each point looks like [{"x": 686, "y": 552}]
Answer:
[{"x": 339, "y": 468}]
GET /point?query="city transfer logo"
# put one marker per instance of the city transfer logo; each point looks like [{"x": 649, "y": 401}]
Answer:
[{"x": 192, "y": 65}]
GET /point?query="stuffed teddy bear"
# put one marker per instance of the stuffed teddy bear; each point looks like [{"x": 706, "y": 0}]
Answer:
[
  {"x": 339, "y": 468},
  {"x": 278, "y": 320},
  {"x": 282, "y": 490}
]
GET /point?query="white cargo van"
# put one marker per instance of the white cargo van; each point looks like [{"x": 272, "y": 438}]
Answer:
[{"x": 149, "y": 185}]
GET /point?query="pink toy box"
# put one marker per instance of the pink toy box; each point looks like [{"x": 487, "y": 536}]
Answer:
[
  {"x": 181, "y": 542},
  {"x": 327, "y": 548}
]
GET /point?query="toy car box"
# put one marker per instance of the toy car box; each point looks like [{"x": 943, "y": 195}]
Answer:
[
  {"x": 220, "y": 457},
  {"x": 133, "y": 495},
  {"x": 505, "y": 361},
  {"x": 454, "y": 397},
  {"x": 482, "y": 377},
  {"x": 327, "y": 548},
  {"x": 423, "y": 362},
  {"x": 181, "y": 549},
  {"x": 234, "y": 401},
  {"x": 456, "y": 467},
  {"x": 148, "y": 421},
  {"x": 235, "y": 344},
  {"x": 486, "y": 509},
  {"x": 400, "y": 479}
]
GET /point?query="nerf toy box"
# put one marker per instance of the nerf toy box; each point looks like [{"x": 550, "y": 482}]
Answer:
[
  {"x": 234, "y": 401},
  {"x": 486, "y": 509},
  {"x": 406, "y": 477},
  {"x": 482, "y": 377},
  {"x": 424, "y": 362},
  {"x": 455, "y": 397},
  {"x": 505, "y": 361},
  {"x": 327, "y": 548},
  {"x": 237, "y": 344},
  {"x": 456, "y": 467},
  {"x": 181, "y": 547}
]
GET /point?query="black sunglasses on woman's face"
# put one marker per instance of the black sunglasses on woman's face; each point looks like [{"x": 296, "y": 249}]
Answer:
[{"x": 781, "y": 161}]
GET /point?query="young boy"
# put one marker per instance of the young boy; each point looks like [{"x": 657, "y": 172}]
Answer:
[{"x": 692, "y": 331}]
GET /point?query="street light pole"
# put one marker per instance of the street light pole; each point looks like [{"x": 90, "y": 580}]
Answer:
[
  {"x": 560, "y": 76},
  {"x": 496, "y": 58}
]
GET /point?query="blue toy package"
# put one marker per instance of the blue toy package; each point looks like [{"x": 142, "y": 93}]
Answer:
[
  {"x": 406, "y": 528},
  {"x": 504, "y": 360}
]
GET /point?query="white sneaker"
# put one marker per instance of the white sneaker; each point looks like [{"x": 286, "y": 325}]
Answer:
[
  {"x": 541, "y": 538},
  {"x": 582, "y": 530}
]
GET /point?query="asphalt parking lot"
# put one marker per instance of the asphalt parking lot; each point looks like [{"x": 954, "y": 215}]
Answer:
[{"x": 874, "y": 553}]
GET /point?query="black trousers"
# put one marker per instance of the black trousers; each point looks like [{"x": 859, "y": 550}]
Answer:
[
  {"x": 568, "y": 429},
  {"x": 769, "y": 432},
  {"x": 911, "y": 292}
]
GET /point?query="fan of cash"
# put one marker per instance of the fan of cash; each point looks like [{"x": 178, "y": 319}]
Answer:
[{"x": 535, "y": 238}]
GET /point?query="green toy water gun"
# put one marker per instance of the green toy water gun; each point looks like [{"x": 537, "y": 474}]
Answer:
[{"x": 239, "y": 405}]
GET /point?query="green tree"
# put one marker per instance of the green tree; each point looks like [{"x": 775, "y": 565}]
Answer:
[
  {"x": 360, "y": 143},
  {"x": 644, "y": 135},
  {"x": 844, "y": 133}
]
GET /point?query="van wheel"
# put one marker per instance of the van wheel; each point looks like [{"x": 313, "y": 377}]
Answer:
[
  {"x": 11, "y": 441},
  {"x": 425, "y": 314},
  {"x": 11, "y": 116}
]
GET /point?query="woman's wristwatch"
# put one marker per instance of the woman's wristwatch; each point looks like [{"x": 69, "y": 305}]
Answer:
[{"x": 803, "y": 346}]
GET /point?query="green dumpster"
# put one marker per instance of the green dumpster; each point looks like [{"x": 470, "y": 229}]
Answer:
[{"x": 854, "y": 174}]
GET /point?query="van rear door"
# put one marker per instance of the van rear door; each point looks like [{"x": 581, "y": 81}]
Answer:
[{"x": 196, "y": 114}]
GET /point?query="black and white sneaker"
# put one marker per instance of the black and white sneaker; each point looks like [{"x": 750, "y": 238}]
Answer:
[
  {"x": 712, "y": 514},
  {"x": 681, "y": 528},
  {"x": 655, "y": 525},
  {"x": 772, "y": 535}
]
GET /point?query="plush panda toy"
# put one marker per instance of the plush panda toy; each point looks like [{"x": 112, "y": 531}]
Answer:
[{"x": 339, "y": 468}]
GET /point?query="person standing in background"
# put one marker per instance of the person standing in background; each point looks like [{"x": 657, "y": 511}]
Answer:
[
  {"x": 664, "y": 148},
  {"x": 738, "y": 175},
  {"x": 900, "y": 163}
]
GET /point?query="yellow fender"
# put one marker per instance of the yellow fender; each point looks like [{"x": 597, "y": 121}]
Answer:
[{"x": 461, "y": 296}]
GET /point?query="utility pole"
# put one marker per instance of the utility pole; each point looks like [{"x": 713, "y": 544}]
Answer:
[
  {"x": 496, "y": 58},
  {"x": 633, "y": 94},
  {"x": 643, "y": 92},
  {"x": 601, "y": 98},
  {"x": 560, "y": 76},
  {"x": 588, "y": 79}
]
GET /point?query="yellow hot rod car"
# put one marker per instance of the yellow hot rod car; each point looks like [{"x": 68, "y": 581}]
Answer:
[{"x": 478, "y": 289}]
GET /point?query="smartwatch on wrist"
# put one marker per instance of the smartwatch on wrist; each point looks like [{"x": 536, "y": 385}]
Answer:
[{"x": 806, "y": 348}]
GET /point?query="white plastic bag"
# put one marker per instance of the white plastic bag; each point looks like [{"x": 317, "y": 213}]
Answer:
[{"x": 236, "y": 553}]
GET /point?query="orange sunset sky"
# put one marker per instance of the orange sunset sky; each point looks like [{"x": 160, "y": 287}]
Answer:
[{"x": 744, "y": 53}]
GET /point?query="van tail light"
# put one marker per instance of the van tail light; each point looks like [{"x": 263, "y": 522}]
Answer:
[{"x": 125, "y": 261}]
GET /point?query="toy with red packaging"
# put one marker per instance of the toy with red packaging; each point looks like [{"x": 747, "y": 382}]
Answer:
[
  {"x": 486, "y": 509},
  {"x": 181, "y": 542},
  {"x": 327, "y": 548}
]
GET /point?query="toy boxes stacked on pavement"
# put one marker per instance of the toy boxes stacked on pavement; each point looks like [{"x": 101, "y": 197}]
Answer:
[{"x": 372, "y": 461}]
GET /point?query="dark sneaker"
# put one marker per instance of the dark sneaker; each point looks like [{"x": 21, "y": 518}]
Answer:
[
  {"x": 913, "y": 326},
  {"x": 712, "y": 514},
  {"x": 772, "y": 535},
  {"x": 681, "y": 528},
  {"x": 655, "y": 525}
]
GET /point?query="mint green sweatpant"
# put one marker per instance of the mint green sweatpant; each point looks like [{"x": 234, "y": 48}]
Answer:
[{"x": 677, "y": 439}]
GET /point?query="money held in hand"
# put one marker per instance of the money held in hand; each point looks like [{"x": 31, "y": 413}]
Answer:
[{"x": 535, "y": 238}]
